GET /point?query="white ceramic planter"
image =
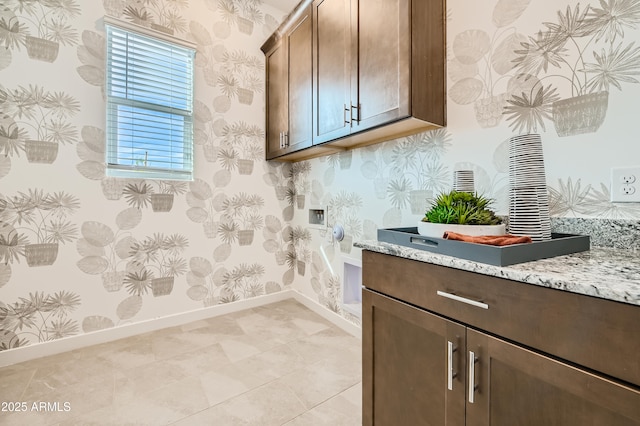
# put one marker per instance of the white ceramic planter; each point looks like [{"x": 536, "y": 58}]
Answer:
[{"x": 436, "y": 230}]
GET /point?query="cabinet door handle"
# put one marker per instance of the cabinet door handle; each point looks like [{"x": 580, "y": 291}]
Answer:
[
  {"x": 472, "y": 375},
  {"x": 462, "y": 299},
  {"x": 357, "y": 108},
  {"x": 286, "y": 139},
  {"x": 450, "y": 373},
  {"x": 281, "y": 146},
  {"x": 345, "y": 114}
]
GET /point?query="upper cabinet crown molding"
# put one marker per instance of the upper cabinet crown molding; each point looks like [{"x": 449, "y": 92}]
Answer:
[{"x": 378, "y": 73}]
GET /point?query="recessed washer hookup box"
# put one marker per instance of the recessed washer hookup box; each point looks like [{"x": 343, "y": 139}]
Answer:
[{"x": 560, "y": 244}]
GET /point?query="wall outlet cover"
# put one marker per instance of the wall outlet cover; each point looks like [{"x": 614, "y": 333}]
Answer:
[{"x": 625, "y": 184}]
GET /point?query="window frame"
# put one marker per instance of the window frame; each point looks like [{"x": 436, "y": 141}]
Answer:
[{"x": 115, "y": 165}]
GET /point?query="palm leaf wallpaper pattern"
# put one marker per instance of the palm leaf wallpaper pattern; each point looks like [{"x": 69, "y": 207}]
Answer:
[
  {"x": 512, "y": 67},
  {"x": 482, "y": 64},
  {"x": 41, "y": 26},
  {"x": 581, "y": 55},
  {"x": 39, "y": 317},
  {"x": 37, "y": 121},
  {"x": 35, "y": 224}
]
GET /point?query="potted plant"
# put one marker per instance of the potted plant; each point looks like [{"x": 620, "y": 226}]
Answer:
[
  {"x": 158, "y": 254},
  {"x": 581, "y": 54},
  {"x": 107, "y": 253},
  {"x": 163, "y": 200},
  {"x": 461, "y": 212},
  {"x": 46, "y": 113},
  {"x": 417, "y": 169},
  {"x": 241, "y": 214},
  {"x": 482, "y": 63},
  {"x": 43, "y": 215},
  {"x": 207, "y": 204},
  {"x": 13, "y": 33},
  {"x": 248, "y": 139},
  {"x": 242, "y": 282},
  {"x": 277, "y": 238},
  {"x": 50, "y": 20},
  {"x": 344, "y": 209},
  {"x": 11, "y": 248},
  {"x": 298, "y": 174},
  {"x": 299, "y": 253},
  {"x": 160, "y": 15},
  {"x": 40, "y": 317},
  {"x": 241, "y": 75},
  {"x": 244, "y": 17}
]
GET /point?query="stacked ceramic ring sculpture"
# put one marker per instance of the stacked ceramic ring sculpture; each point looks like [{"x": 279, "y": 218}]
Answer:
[
  {"x": 528, "y": 196},
  {"x": 463, "y": 181}
]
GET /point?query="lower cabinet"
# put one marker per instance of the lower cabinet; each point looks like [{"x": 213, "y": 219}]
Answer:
[{"x": 420, "y": 368}]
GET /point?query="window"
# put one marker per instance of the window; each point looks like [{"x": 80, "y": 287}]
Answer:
[{"x": 149, "y": 105}]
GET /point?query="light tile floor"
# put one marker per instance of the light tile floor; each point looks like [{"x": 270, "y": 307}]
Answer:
[{"x": 279, "y": 364}]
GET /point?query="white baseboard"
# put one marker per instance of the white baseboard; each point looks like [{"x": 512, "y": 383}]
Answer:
[
  {"x": 39, "y": 350},
  {"x": 341, "y": 322}
]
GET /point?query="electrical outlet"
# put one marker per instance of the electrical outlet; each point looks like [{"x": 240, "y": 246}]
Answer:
[
  {"x": 628, "y": 189},
  {"x": 625, "y": 184}
]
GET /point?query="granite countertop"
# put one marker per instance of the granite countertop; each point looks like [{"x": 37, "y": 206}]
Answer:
[{"x": 607, "y": 273}]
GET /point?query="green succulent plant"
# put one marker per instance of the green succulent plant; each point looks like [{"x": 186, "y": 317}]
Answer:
[{"x": 463, "y": 208}]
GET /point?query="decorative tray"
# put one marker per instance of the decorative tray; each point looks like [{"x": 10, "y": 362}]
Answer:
[{"x": 560, "y": 244}]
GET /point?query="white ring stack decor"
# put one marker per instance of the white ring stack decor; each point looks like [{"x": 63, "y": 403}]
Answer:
[
  {"x": 528, "y": 196},
  {"x": 463, "y": 181}
]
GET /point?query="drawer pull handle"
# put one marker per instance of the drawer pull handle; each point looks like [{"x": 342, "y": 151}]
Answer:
[
  {"x": 462, "y": 299},
  {"x": 424, "y": 242},
  {"x": 472, "y": 375},
  {"x": 450, "y": 374}
]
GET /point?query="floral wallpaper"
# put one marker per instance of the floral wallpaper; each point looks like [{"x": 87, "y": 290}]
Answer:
[
  {"x": 81, "y": 252},
  {"x": 568, "y": 72}
]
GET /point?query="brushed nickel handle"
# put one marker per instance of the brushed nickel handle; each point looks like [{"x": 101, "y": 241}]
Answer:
[
  {"x": 286, "y": 139},
  {"x": 357, "y": 108},
  {"x": 472, "y": 375},
  {"x": 344, "y": 114},
  {"x": 450, "y": 373},
  {"x": 462, "y": 299},
  {"x": 281, "y": 140}
]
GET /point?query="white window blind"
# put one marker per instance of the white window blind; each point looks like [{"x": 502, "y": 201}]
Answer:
[{"x": 149, "y": 106}]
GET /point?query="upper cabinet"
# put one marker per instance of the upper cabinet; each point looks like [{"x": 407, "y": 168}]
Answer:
[
  {"x": 332, "y": 69},
  {"x": 276, "y": 99},
  {"x": 377, "y": 73},
  {"x": 288, "y": 85}
]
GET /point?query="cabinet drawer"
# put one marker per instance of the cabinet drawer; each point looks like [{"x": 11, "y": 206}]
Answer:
[{"x": 595, "y": 333}]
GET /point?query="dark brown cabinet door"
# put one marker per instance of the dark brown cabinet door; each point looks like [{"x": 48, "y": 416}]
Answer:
[
  {"x": 518, "y": 387},
  {"x": 289, "y": 89},
  {"x": 362, "y": 67},
  {"x": 413, "y": 365},
  {"x": 276, "y": 98},
  {"x": 300, "y": 89},
  {"x": 380, "y": 84},
  {"x": 331, "y": 69}
]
